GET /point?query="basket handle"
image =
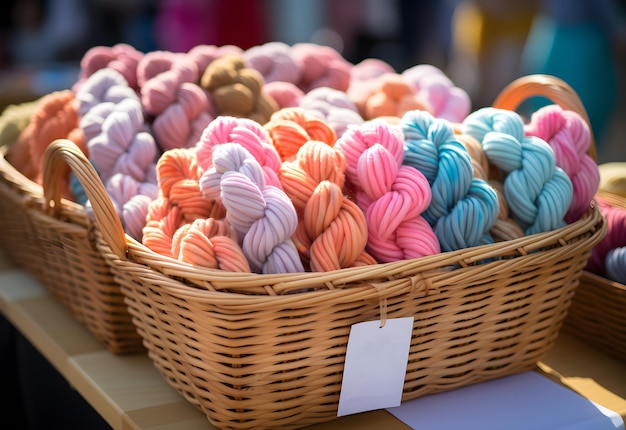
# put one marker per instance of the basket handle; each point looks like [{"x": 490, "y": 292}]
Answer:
[
  {"x": 65, "y": 151},
  {"x": 551, "y": 87}
]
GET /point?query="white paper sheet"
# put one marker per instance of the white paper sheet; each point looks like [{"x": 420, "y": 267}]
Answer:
[{"x": 527, "y": 401}]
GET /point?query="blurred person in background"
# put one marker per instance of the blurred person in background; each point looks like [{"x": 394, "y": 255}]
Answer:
[
  {"x": 488, "y": 37},
  {"x": 44, "y": 31},
  {"x": 580, "y": 41}
]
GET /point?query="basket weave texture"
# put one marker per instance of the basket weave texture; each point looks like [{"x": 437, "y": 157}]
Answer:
[
  {"x": 598, "y": 312},
  {"x": 58, "y": 247},
  {"x": 267, "y": 351}
]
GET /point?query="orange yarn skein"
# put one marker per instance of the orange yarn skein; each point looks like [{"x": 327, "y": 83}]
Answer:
[
  {"x": 332, "y": 230},
  {"x": 182, "y": 224},
  {"x": 55, "y": 117},
  {"x": 291, "y": 128}
]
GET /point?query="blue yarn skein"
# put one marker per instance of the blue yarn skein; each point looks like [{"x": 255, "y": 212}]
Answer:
[
  {"x": 463, "y": 208},
  {"x": 615, "y": 264},
  {"x": 538, "y": 192}
]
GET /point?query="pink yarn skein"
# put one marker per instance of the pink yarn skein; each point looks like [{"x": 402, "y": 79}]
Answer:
[
  {"x": 121, "y": 57},
  {"x": 392, "y": 195},
  {"x": 435, "y": 90},
  {"x": 285, "y": 94},
  {"x": 569, "y": 136},
  {"x": 160, "y": 75},
  {"x": 181, "y": 124},
  {"x": 203, "y": 55},
  {"x": 321, "y": 66},
  {"x": 275, "y": 62},
  {"x": 246, "y": 132}
]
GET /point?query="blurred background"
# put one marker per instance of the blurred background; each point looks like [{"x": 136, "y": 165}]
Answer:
[{"x": 482, "y": 45}]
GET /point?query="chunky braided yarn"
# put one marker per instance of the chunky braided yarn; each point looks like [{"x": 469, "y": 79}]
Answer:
[
  {"x": 607, "y": 256},
  {"x": 55, "y": 117},
  {"x": 131, "y": 199},
  {"x": 616, "y": 265},
  {"x": 262, "y": 214},
  {"x": 569, "y": 136},
  {"x": 14, "y": 119},
  {"x": 204, "y": 54},
  {"x": 321, "y": 66},
  {"x": 393, "y": 196},
  {"x": 285, "y": 94},
  {"x": 505, "y": 227},
  {"x": 105, "y": 85},
  {"x": 179, "y": 200},
  {"x": 332, "y": 230},
  {"x": 160, "y": 75},
  {"x": 121, "y": 149},
  {"x": 440, "y": 96},
  {"x": 290, "y": 128},
  {"x": 237, "y": 90},
  {"x": 121, "y": 57},
  {"x": 247, "y": 133},
  {"x": 181, "y": 124},
  {"x": 209, "y": 243},
  {"x": 123, "y": 145},
  {"x": 364, "y": 80},
  {"x": 391, "y": 97},
  {"x": 538, "y": 192},
  {"x": 333, "y": 106},
  {"x": 463, "y": 207},
  {"x": 274, "y": 61}
]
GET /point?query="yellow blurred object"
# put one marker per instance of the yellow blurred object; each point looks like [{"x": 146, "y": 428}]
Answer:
[{"x": 613, "y": 178}]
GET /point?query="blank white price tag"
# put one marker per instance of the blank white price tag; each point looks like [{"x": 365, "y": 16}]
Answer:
[{"x": 376, "y": 360}]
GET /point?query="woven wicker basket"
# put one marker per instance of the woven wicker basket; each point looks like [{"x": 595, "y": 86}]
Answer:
[
  {"x": 598, "y": 311},
  {"x": 267, "y": 351},
  {"x": 58, "y": 247}
]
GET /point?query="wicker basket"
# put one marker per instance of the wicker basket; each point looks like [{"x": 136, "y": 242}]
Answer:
[
  {"x": 58, "y": 247},
  {"x": 267, "y": 351},
  {"x": 598, "y": 311}
]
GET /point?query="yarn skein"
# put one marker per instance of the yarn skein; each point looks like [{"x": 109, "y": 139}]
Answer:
[
  {"x": 237, "y": 90},
  {"x": 262, "y": 214},
  {"x": 54, "y": 117},
  {"x": 538, "y": 192},
  {"x": 179, "y": 201},
  {"x": 505, "y": 227},
  {"x": 161, "y": 74},
  {"x": 603, "y": 261},
  {"x": 321, "y": 66},
  {"x": 569, "y": 136},
  {"x": 290, "y": 128},
  {"x": 392, "y": 196},
  {"x": 181, "y": 124},
  {"x": 332, "y": 106},
  {"x": 463, "y": 207},
  {"x": 441, "y": 97},
  {"x": 274, "y": 61},
  {"x": 392, "y": 97},
  {"x": 246, "y": 132},
  {"x": 332, "y": 230},
  {"x": 120, "y": 57}
]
